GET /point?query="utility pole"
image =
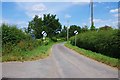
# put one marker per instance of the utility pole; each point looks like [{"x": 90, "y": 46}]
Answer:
[
  {"x": 91, "y": 3},
  {"x": 75, "y": 39},
  {"x": 119, "y": 15},
  {"x": 67, "y": 30}
]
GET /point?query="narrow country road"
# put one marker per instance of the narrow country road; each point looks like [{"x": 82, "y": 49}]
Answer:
[{"x": 62, "y": 63}]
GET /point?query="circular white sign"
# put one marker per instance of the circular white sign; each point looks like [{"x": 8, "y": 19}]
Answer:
[
  {"x": 75, "y": 32},
  {"x": 43, "y": 32}
]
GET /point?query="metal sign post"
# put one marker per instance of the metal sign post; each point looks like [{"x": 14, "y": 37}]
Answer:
[
  {"x": 75, "y": 36},
  {"x": 44, "y": 34}
]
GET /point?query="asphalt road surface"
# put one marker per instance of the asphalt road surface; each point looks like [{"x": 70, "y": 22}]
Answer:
[{"x": 62, "y": 63}]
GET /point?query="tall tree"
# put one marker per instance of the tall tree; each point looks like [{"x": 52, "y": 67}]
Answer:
[
  {"x": 84, "y": 29},
  {"x": 36, "y": 26},
  {"x": 63, "y": 33},
  {"x": 50, "y": 24},
  {"x": 73, "y": 28},
  {"x": 106, "y": 28}
]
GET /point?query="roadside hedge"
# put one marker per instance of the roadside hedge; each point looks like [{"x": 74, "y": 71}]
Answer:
[
  {"x": 15, "y": 40},
  {"x": 106, "y": 42},
  {"x": 11, "y": 34}
]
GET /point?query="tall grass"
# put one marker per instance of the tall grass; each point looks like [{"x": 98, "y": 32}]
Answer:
[
  {"x": 96, "y": 56},
  {"x": 35, "y": 54}
]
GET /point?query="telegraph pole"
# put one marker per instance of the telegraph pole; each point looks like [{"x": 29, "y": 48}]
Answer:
[
  {"x": 119, "y": 15},
  {"x": 67, "y": 30},
  {"x": 75, "y": 39},
  {"x": 91, "y": 3}
]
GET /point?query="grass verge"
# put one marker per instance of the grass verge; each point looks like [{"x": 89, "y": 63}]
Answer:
[
  {"x": 96, "y": 56},
  {"x": 38, "y": 53}
]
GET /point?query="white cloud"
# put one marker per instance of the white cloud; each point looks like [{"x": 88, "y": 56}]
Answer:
[
  {"x": 113, "y": 10},
  {"x": 80, "y": 3},
  {"x": 36, "y": 7},
  {"x": 32, "y": 14},
  {"x": 19, "y": 23},
  {"x": 67, "y": 16},
  {"x": 32, "y": 9},
  {"x": 115, "y": 24},
  {"x": 102, "y": 22},
  {"x": 97, "y": 20}
]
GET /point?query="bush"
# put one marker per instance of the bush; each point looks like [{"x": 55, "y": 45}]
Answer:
[
  {"x": 11, "y": 34},
  {"x": 15, "y": 40},
  {"x": 104, "y": 41},
  {"x": 39, "y": 42}
]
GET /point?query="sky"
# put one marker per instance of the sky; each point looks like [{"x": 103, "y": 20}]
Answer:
[{"x": 69, "y": 13}]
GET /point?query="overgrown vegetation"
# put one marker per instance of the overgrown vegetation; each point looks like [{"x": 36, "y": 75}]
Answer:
[
  {"x": 39, "y": 52},
  {"x": 106, "y": 42},
  {"x": 17, "y": 45},
  {"x": 96, "y": 56}
]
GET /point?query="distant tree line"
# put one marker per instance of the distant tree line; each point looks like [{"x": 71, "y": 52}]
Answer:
[{"x": 51, "y": 25}]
